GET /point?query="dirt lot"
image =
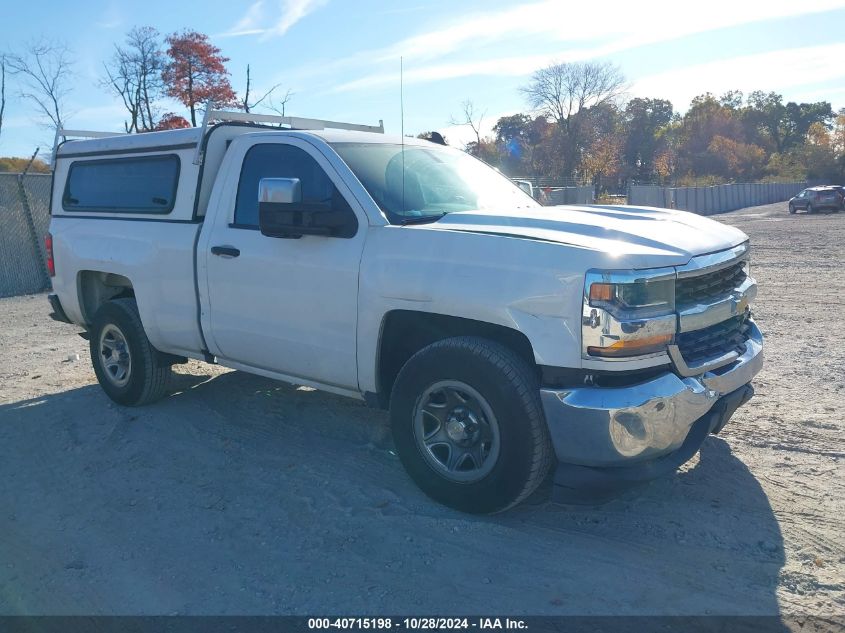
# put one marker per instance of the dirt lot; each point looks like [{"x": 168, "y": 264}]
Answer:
[{"x": 241, "y": 495}]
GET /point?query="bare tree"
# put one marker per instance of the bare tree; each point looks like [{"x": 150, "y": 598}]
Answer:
[
  {"x": 472, "y": 118},
  {"x": 278, "y": 105},
  {"x": 45, "y": 70},
  {"x": 134, "y": 74},
  {"x": 2, "y": 89},
  {"x": 562, "y": 90},
  {"x": 247, "y": 106}
]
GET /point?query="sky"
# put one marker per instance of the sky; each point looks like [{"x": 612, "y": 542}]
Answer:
[{"x": 341, "y": 58}]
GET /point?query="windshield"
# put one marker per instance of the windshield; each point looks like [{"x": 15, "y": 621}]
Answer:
[{"x": 435, "y": 180}]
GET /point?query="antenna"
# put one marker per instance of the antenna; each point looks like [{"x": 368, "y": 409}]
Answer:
[{"x": 402, "y": 124}]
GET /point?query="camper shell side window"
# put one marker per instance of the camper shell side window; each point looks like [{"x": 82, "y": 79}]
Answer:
[{"x": 143, "y": 184}]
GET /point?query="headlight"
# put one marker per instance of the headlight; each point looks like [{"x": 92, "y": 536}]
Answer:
[
  {"x": 628, "y": 314},
  {"x": 642, "y": 298}
]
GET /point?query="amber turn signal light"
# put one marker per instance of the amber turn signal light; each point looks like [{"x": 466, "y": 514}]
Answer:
[
  {"x": 601, "y": 293},
  {"x": 637, "y": 347}
]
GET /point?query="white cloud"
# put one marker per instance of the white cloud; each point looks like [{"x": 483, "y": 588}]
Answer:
[
  {"x": 775, "y": 70},
  {"x": 836, "y": 95},
  {"x": 250, "y": 23},
  {"x": 404, "y": 9},
  {"x": 257, "y": 21},
  {"x": 632, "y": 24},
  {"x": 570, "y": 31},
  {"x": 518, "y": 65},
  {"x": 112, "y": 19}
]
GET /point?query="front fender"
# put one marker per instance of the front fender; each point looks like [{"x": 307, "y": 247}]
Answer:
[{"x": 532, "y": 287}]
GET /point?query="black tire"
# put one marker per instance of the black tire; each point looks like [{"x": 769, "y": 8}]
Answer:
[
  {"x": 511, "y": 390},
  {"x": 149, "y": 373},
  {"x": 809, "y": 207},
  {"x": 791, "y": 208}
]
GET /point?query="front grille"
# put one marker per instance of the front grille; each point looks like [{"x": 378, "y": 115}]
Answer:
[
  {"x": 715, "y": 340},
  {"x": 709, "y": 286}
]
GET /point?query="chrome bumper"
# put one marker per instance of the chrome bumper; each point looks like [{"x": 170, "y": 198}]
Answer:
[{"x": 595, "y": 426}]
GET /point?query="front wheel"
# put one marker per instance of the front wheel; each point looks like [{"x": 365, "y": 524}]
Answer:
[
  {"x": 791, "y": 208},
  {"x": 809, "y": 208},
  {"x": 129, "y": 369},
  {"x": 468, "y": 425}
]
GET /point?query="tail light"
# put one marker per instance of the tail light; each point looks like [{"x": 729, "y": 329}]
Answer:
[{"x": 48, "y": 246}]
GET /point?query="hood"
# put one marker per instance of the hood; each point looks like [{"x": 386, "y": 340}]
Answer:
[{"x": 668, "y": 236}]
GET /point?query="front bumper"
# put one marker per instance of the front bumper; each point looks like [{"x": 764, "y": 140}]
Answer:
[{"x": 607, "y": 428}]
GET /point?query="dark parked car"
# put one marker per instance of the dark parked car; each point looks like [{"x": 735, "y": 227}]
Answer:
[{"x": 815, "y": 199}]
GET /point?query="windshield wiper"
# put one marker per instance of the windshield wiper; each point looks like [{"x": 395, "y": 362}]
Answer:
[{"x": 422, "y": 219}]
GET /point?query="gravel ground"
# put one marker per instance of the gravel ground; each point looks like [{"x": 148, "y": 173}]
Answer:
[{"x": 239, "y": 495}]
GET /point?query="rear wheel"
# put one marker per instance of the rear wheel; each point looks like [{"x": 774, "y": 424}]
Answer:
[
  {"x": 810, "y": 207},
  {"x": 129, "y": 369},
  {"x": 468, "y": 425}
]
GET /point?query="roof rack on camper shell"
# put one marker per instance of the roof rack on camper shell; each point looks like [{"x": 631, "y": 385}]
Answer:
[
  {"x": 294, "y": 123},
  {"x": 223, "y": 116},
  {"x": 62, "y": 133}
]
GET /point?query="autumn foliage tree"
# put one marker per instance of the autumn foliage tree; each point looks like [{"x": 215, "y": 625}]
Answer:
[
  {"x": 195, "y": 73},
  {"x": 732, "y": 159},
  {"x": 727, "y": 138},
  {"x": 17, "y": 165},
  {"x": 838, "y": 140},
  {"x": 706, "y": 119},
  {"x": 171, "y": 121},
  {"x": 643, "y": 119},
  {"x": 819, "y": 154},
  {"x": 603, "y": 157}
]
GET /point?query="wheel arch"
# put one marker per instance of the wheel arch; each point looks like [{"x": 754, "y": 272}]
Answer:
[
  {"x": 94, "y": 288},
  {"x": 404, "y": 332}
]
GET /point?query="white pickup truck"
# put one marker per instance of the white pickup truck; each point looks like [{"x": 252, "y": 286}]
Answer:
[{"x": 508, "y": 340}]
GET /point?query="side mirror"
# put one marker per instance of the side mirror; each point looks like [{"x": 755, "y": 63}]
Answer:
[{"x": 282, "y": 213}]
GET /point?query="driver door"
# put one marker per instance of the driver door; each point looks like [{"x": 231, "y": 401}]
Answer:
[{"x": 287, "y": 306}]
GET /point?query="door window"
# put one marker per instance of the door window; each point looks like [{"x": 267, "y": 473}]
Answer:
[{"x": 274, "y": 160}]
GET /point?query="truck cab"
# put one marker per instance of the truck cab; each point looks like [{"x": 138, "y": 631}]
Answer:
[{"x": 509, "y": 341}]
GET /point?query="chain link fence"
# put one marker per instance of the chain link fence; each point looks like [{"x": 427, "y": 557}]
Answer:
[{"x": 24, "y": 221}]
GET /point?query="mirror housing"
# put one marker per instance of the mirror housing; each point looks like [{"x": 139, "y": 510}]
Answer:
[
  {"x": 283, "y": 214},
  {"x": 279, "y": 190}
]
